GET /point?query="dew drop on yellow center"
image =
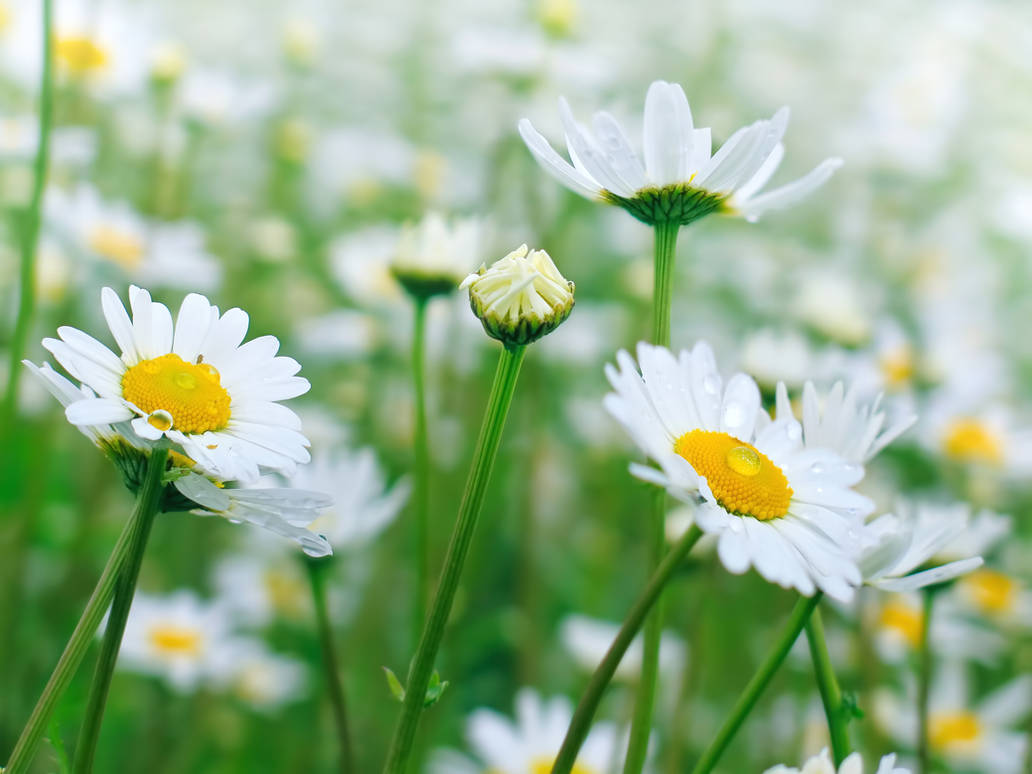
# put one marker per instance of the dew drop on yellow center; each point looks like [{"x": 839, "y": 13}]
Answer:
[
  {"x": 743, "y": 480},
  {"x": 191, "y": 393},
  {"x": 969, "y": 440},
  {"x": 80, "y": 55},
  {"x": 952, "y": 730},
  {"x": 172, "y": 640}
]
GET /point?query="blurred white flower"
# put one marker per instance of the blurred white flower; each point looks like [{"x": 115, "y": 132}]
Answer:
[
  {"x": 853, "y": 764},
  {"x": 261, "y": 584},
  {"x": 434, "y": 255},
  {"x": 588, "y": 639},
  {"x": 258, "y": 677}
]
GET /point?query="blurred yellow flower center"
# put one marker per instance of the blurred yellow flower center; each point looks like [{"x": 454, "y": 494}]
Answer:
[
  {"x": 992, "y": 591},
  {"x": 284, "y": 589},
  {"x": 743, "y": 479},
  {"x": 80, "y": 55},
  {"x": 172, "y": 640},
  {"x": 544, "y": 766},
  {"x": 948, "y": 730},
  {"x": 190, "y": 393},
  {"x": 969, "y": 440},
  {"x": 897, "y": 367},
  {"x": 116, "y": 245},
  {"x": 5, "y": 18},
  {"x": 904, "y": 620}
]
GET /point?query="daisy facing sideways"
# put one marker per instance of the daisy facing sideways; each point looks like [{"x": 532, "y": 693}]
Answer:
[
  {"x": 213, "y": 398},
  {"x": 854, "y": 764},
  {"x": 777, "y": 500},
  {"x": 677, "y": 178}
]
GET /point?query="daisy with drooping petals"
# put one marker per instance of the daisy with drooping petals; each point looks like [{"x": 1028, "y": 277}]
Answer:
[
  {"x": 681, "y": 179},
  {"x": 531, "y": 743},
  {"x": 781, "y": 506},
  {"x": 854, "y": 764},
  {"x": 193, "y": 383}
]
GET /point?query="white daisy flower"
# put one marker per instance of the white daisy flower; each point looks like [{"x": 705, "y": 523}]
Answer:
[
  {"x": 897, "y": 545},
  {"x": 778, "y": 503},
  {"x": 260, "y": 584},
  {"x": 995, "y": 596},
  {"x": 178, "y": 637},
  {"x": 588, "y": 639},
  {"x": 680, "y": 180},
  {"x": 193, "y": 383},
  {"x": 853, "y": 764},
  {"x": 260, "y": 678},
  {"x": 434, "y": 256},
  {"x": 978, "y": 734},
  {"x": 363, "y": 504},
  {"x": 532, "y": 742}
]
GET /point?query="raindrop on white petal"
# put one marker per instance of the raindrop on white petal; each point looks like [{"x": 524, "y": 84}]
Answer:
[
  {"x": 711, "y": 384},
  {"x": 817, "y": 467}
]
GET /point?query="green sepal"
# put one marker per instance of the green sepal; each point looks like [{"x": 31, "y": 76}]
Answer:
[{"x": 678, "y": 203}]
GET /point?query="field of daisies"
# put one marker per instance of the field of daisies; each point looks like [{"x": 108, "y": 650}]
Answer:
[{"x": 557, "y": 387}]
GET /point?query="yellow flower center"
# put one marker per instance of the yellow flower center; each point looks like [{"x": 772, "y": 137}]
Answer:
[
  {"x": 904, "y": 620},
  {"x": 5, "y": 18},
  {"x": 172, "y": 640},
  {"x": 897, "y": 367},
  {"x": 953, "y": 730},
  {"x": 190, "y": 394},
  {"x": 116, "y": 245},
  {"x": 992, "y": 591},
  {"x": 969, "y": 440},
  {"x": 743, "y": 480},
  {"x": 80, "y": 55},
  {"x": 284, "y": 589}
]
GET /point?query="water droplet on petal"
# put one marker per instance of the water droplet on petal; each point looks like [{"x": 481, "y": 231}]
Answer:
[
  {"x": 817, "y": 467},
  {"x": 711, "y": 384}
]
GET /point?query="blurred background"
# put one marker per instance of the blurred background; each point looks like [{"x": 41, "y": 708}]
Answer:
[{"x": 269, "y": 157}]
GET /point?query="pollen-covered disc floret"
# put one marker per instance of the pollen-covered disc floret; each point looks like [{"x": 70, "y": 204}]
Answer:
[
  {"x": 521, "y": 297},
  {"x": 191, "y": 393},
  {"x": 743, "y": 480},
  {"x": 776, "y": 503}
]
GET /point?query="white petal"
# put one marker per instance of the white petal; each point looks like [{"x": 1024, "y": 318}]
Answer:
[
  {"x": 667, "y": 135},
  {"x": 120, "y": 325},
  {"x": 587, "y": 154},
  {"x": 555, "y": 165},
  {"x": 790, "y": 193},
  {"x": 98, "y": 411}
]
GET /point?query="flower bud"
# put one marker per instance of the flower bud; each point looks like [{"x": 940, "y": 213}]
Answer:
[
  {"x": 520, "y": 298},
  {"x": 433, "y": 255}
]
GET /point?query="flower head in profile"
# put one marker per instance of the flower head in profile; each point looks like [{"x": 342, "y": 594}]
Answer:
[
  {"x": 900, "y": 550},
  {"x": 521, "y": 297},
  {"x": 531, "y": 742},
  {"x": 776, "y": 502},
  {"x": 434, "y": 256},
  {"x": 677, "y": 178},
  {"x": 854, "y": 764}
]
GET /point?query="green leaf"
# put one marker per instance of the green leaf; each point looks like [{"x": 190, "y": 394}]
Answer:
[
  {"x": 434, "y": 689},
  {"x": 397, "y": 690}
]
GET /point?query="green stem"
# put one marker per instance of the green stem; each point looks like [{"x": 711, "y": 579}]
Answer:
[
  {"x": 30, "y": 234},
  {"x": 421, "y": 493},
  {"x": 827, "y": 684},
  {"x": 74, "y": 651},
  {"x": 588, "y": 705},
  {"x": 317, "y": 581},
  {"x": 147, "y": 503},
  {"x": 924, "y": 681},
  {"x": 797, "y": 620},
  {"x": 476, "y": 485},
  {"x": 665, "y": 248}
]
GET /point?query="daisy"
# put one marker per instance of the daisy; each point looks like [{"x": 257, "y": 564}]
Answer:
[
  {"x": 778, "y": 503},
  {"x": 434, "y": 256},
  {"x": 283, "y": 511},
  {"x": 363, "y": 503},
  {"x": 854, "y": 764},
  {"x": 968, "y": 734},
  {"x": 680, "y": 180},
  {"x": 177, "y": 637},
  {"x": 531, "y": 743},
  {"x": 896, "y": 547},
  {"x": 193, "y": 383},
  {"x": 258, "y": 677},
  {"x": 996, "y": 596}
]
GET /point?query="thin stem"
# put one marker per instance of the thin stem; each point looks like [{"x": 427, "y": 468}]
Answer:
[
  {"x": 588, "y": 705},
  {"x": 30, "y": 233},
  {"x": 74, "y": 651},
  {"x": 665, "y": 248},
  {"x": 827, "y": 684},
  {"x": 147, "y": 502},
  {"x": 476, "y": 486},
  {"x": 800, "y": 613},
  {"x": 317, "y": 581},
  {"x": 924, "y": 681},
  {"x": 421, "y": 493}
]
